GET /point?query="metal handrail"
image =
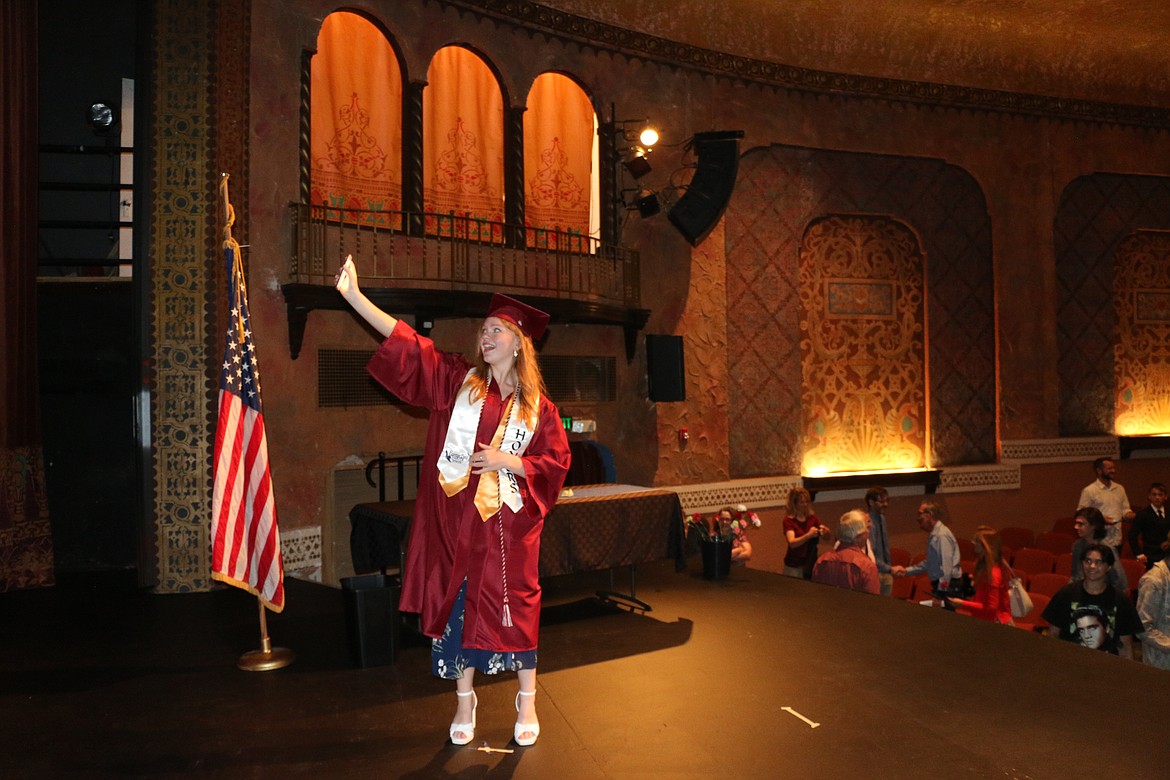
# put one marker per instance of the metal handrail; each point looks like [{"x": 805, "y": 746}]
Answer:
[{"x": 460, "y": 252}]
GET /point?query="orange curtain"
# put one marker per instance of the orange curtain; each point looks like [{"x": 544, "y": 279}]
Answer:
[
  {"x": 558, "y": 162},
  {"x": 356, "y": 150},
  {"x": 463, "y": 147}
]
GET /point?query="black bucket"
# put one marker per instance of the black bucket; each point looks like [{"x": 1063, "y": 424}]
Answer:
[{"x": 716, "y": 559}]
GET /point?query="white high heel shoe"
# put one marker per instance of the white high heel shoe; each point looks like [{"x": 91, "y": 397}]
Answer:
[
  {"x": 467, "y": 729},
  {"x": 525, "y": 728}
]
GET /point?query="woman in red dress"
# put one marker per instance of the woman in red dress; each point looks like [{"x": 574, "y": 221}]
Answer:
[
  {"x": 494, "y": 462},
  {"x": 991, "y": 601}
]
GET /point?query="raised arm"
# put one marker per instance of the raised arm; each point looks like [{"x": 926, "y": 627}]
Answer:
[{"x": 347, "y": 285}]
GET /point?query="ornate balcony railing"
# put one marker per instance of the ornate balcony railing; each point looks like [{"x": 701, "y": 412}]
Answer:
[{"x": 434, "y": 266}]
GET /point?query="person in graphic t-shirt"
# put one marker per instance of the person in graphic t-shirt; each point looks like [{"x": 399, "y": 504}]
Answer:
[{"x": 1091, "y": 613}]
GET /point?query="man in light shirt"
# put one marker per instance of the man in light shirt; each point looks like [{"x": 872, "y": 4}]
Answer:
[
  {"x": 1109, "y": 497},
  {"x": 942, "y": 552}
]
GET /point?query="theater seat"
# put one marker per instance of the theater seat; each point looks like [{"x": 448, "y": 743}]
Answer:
[
  {"x": 1033, "y": 621},
  {"x": 903, "y": 588},
  {"x": 1016, "y": 537},
  {"x": 1046, "y": 584},
  {"x": 1134, "y": 569},
  {"x": 1034, "y": 561},
  {"x": 1054, "y": 542},
  {"x": 923, "y": 589},
  {"x": 899, "y": 557}
]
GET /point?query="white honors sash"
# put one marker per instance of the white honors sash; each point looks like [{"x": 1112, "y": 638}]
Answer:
[{"x": 512, "y": 437}]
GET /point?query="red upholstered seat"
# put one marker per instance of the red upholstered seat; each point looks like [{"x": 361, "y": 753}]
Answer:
[
  {"x": 1033, "y": 621},
  {"x": 1134, "y": 569},
  {"x": 1047, "y": 583},
  {"x": 1015, "y": 537},
  {"x": 1034, "y": 561},
  {"x": 1054, "y": 542}
]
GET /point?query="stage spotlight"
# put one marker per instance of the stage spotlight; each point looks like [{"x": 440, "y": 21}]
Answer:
[
  {"x": 648, "y": 137},
  {"x": 647, "y": 204}
]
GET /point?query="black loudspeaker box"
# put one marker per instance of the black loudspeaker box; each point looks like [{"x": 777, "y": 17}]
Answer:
[
  {"x": 701, "y": 206},
  {"x": 664, "y": 368}
]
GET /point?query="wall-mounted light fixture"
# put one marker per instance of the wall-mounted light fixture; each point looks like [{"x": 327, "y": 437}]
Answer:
[{"x": 635, "y": 140}]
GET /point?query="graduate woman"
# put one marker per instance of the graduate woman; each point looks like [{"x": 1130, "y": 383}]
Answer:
[{"x": 495, "y": 458}]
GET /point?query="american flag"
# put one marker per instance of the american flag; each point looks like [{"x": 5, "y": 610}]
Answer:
[{"x": 245, "y": 548}]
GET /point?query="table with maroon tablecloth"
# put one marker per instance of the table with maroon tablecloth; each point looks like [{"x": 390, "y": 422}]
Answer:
[
  {"x": 610, "y": 526},
  {"x": 595, "y": 527}
]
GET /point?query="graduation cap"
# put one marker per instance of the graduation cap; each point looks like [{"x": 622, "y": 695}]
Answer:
[{"x": 528, "y": 319}]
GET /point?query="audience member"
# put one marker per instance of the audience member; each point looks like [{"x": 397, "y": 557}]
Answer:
[
  {"x": 848, "y": 566},
  {"x": 1109, "y": 497},
  {"x": 739, "y": 521},
  {"x": 942, "y": 552},
  {"x": 803, "y": 530},
  {"x": 991, "y": 601},
  {"x": 877, "y": 498},
  {"x": 1150, "y": 527},
  {"x": 1090, "y": 526},
  {"x": 1090, "y": 612},
  {"x": 1153, "y": 606}
]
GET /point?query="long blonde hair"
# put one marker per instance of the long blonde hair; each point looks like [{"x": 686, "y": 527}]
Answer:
[
  {"x": 988, "y": 552},
  {"x": 529, "y": 381}
]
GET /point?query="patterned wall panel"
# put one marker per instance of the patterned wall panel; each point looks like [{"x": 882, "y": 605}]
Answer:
[
  {"x": 1095, "y": 214},
  {"x": 862, "y": 352},
  {"x": 199, "y": 120},
  {"x": 704, "y": 413},
  {"x": 1141, "y": 297},
  {"x": 779, "y": 192}
]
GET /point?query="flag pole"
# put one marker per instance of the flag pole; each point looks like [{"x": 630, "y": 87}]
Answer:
[
  {"x": 239, "y": 499},
  {"x": 267, "y": 658}
]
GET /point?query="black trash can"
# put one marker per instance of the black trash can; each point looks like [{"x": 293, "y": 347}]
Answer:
[
  {"x": 371, "y": 618},
  {"x": 716, "y": 558}
]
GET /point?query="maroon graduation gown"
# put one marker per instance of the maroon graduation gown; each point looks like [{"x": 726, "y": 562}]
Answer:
[{"x": 448, "y": 539}]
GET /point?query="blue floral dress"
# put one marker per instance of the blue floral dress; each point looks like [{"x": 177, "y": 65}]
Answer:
[{"x": 449, "y": 658}]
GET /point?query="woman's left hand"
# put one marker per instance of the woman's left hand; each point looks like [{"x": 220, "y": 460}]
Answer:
[{"x": 488, "y": 458}]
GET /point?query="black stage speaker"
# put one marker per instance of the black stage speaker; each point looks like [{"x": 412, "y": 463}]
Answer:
[
  {"x": 701, "y": 206},
  {"x": 664, "y": 368}
]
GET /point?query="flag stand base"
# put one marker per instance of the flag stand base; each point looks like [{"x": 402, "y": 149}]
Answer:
[{"x": 267, "y": 658}]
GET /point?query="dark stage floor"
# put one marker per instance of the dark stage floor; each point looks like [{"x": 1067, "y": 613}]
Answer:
[{"x": 717, "y": 681}]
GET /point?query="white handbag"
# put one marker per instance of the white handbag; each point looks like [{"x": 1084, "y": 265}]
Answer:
[{"x": 1021, "y": 602}]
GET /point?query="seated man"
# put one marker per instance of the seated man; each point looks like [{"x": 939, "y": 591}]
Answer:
[
  {"x": 1090, "y": 612},
  {"x": 848, "y": 566}
]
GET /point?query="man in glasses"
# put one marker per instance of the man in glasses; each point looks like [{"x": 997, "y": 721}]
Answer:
[{"x": 1090, "y": 612}]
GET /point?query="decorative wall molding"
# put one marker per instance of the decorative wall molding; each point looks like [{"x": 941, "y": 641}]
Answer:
[
  {"x": 755, "y": 493},
  {"x": 970, "y": 479},
  {"x": 1059, "y": 450},
  {"x": 651, "y": 47},
  {"x": 300, "y": 550}
]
